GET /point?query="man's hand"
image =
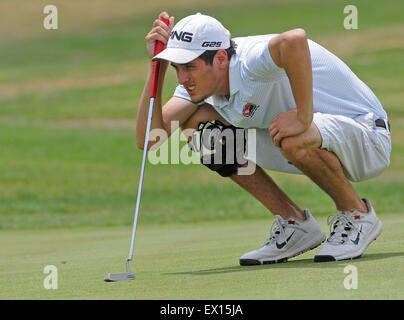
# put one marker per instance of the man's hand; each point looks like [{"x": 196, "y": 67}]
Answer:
[
  {"x": 159, "y": 32},
  {"x": 286, "y": 124}
]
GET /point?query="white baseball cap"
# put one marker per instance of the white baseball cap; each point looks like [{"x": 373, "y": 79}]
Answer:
[{"x": 192, "y": 36}]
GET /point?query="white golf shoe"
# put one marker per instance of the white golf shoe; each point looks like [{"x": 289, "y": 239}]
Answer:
[
  {"x": 350, "y": 234},
  {"x": 288, "y": 238}
]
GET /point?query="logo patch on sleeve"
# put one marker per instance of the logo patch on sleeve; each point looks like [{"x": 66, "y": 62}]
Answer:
[{"x": 249, "y": 110}]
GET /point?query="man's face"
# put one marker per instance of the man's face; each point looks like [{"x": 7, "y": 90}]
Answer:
[{"x": 198, "y": 78}]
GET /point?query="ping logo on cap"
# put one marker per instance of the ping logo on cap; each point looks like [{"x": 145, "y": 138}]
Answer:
[
  {"x": 182, "y": 36},
  {"x": 192, "y": 36}
]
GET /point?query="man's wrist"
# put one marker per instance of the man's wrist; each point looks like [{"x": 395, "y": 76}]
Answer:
[{"x": 305, "y": 118}]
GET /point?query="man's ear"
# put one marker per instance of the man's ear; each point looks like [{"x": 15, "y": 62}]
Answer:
[{"x": 221, "y": 58}]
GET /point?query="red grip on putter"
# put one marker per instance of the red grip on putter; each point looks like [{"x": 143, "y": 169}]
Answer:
[{"x": 156, "y": 64}]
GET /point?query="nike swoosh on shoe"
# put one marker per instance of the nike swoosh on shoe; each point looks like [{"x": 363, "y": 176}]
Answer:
[
  {"x": 356, "y": 241},
  {"x": 281, "y": 245}
]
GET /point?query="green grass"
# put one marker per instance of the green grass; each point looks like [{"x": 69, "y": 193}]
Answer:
[
  {"x": 69, "y": 166},
  {"x": 189, "y": 261},
  {"x": 64, "y": 104},
  {"x": 59, "y": 177}
]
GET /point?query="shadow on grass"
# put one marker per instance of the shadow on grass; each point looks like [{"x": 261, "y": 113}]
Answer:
[{"x": 294, "y": 264}]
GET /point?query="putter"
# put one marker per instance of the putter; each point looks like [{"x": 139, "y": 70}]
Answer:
[{"x": 113, "y": 277}]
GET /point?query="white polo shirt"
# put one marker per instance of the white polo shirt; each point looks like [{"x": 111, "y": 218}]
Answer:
[{"x": 260, "y": 90}]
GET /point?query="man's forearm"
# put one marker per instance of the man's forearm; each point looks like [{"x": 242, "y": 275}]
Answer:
[
  {"x": 290, "y": 51},
  {"x": 295, "y": 58}
]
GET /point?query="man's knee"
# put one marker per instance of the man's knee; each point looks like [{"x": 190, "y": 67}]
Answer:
[
  {"x": 221, "y": 147},
  {"x": 292, "y": 148},
  {"x": 295, "y": 148}
]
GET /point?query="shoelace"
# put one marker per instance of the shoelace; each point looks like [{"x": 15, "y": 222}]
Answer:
[
  {"x": 277, "y": 228},
  {"x": 339, "y": 224}
]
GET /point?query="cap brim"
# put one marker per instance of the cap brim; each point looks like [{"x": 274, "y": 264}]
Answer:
[{"x": 178, "y": 55}]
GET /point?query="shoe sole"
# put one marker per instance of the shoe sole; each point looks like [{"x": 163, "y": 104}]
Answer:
[
  {"x": 253, "y": 262},
  {"x": 326, "y": 258}
]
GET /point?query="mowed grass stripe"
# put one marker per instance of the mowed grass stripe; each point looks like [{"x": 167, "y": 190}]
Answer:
[
  {"x": 193, "y": 261},
  {"x": 58, "y": 177}
]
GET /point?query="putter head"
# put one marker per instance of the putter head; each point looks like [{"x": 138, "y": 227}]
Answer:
[{"x": 113, "y": 277}]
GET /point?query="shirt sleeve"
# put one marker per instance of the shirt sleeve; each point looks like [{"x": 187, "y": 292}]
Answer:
[{"x": 181, "y": 92}]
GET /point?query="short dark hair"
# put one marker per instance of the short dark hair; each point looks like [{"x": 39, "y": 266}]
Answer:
[{"x": 209, "y": 55}]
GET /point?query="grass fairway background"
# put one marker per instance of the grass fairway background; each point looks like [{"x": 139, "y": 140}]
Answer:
[
  {"x": 69, "y": 167},
  {"x": 189, "y": 261}
]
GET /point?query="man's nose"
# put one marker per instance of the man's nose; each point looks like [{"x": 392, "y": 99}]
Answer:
[{"x": 183, "y": 77}]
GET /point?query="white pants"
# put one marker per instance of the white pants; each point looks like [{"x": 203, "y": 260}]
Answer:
[{"x": 362, "y": 148}]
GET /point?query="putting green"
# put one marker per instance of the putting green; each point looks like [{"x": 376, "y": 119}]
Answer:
[{"x": 190, "y": 261}]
